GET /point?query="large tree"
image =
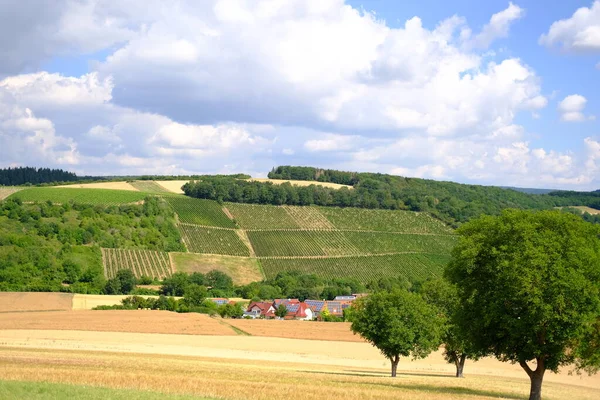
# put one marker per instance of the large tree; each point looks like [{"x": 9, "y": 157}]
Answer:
[
  {"x": 528, "y": 286},
  {"x": 398, "y": 323},
  {"x": 457, "y": 348}
]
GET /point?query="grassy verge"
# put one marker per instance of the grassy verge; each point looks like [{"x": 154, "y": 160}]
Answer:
[{"x": 44, "y": 391}]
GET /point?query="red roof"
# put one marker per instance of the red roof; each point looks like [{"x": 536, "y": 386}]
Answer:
[{"x": 263, "y": 306}]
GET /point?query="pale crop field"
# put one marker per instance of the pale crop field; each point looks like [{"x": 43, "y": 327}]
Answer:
[
  {"x": 6, "y": 191},
  {"x": 290, "y": 377},
  {"x": 172, "y": 186},
  {"x": 301, "y": 183},
  {"x": 149, "y": 187}
]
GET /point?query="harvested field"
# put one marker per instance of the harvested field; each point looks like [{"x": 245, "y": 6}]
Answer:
[
  {"x": 18, "y": 302},
  {"x": 172, "y": 186},
  {"x": 338, "y": 331},
  {"x": 585, "y": 209},
  {"x": 239, "y": 367},
  {"x": 242, "y": 270},
  {"x": 137, "y": 321},
  {"x": 6, "y": 191},
  {"x": 102, "y": 185},
  {"x": 301, "y": 183}
]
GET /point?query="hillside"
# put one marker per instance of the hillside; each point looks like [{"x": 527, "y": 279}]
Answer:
[{"x": 247, "y": 241}]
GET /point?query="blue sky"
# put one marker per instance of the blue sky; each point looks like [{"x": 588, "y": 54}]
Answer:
[{"x": 495, "y": 92}]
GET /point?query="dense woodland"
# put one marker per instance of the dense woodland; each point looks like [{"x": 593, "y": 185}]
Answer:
[
  {"x": 452, "y": 203},
  {"x": 29, "y": 175},
  {"x": 50, "y": 247}
]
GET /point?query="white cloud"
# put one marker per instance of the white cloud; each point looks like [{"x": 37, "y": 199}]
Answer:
[
  {"x": 498, "y": 26},
  {"x": 331, "y": 142},
  {"x": 571, "y": 108},
  {"x": 581, "y": 32}
]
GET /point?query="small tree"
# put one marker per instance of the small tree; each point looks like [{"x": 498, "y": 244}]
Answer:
[
  {"x": 528, "y": 287},
  {"x": 281, "y": 311},
  {"x": 398, "y": 323},
  {"x": 175, "y": 284},
  {"x": 127, "y": 280},
  {"x": 457, "y": 349}
]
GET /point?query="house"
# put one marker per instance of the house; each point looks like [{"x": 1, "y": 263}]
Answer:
[
  {"x": 219, "y": 300},
  {"x": 345, "y": 298},
  {"x": 334, "y": 307},
  {"x": 300, "y": 311},
  {"x": 286, "y": 302},
  {"x": 258, "y": 309}
]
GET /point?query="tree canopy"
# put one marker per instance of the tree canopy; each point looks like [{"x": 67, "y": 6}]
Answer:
[
  {"x": 528, "y": 286},
  {"x": 398, "y": 323}
]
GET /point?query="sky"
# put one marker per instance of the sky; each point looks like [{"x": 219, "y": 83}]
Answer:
[{"x": 494, "y": 93}]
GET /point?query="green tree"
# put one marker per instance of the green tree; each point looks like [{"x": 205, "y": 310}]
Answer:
[
  {"x": 398, "y": 323},
  {"x": 528, "y": 287},
  {"x": 175, "y": 284},
  {"x": 194, "y": 295},
  {"x": 281, "y": 311},
  {"x": 127, "y": 280},
  {"x": 442, "y": 294}
]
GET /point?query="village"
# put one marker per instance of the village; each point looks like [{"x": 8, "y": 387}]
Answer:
[{"x": 307, "y": 310}]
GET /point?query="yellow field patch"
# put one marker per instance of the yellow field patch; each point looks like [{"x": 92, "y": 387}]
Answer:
[
  {"x": 6, "y": 191},
  {"x": 172, "y": 186},
  {"x": 301, "y": 183}
]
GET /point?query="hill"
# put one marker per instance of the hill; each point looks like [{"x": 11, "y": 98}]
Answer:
[{"x": 258, "y": 241}]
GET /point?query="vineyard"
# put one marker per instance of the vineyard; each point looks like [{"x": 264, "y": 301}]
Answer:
[
  {"x": 252, "y": 216},
  {"x": 383, "y": 220},
  {"x": 308, "y": 217},
  {"x": 364, "y": 268},
  {"x": 200, "y": 239},
  {"x": 381, "y": 242},
  {"x": 105, "y": 197},
  {"x": 301, "y": 243},
  {"x": 150, "y": 263},
  {"x": 148, "y": 187},
  {"x": 199, "y": 212},
  {"x": 6, "y": 191}
]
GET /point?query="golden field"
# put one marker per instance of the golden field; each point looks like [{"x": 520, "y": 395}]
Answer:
[{"x": 194, "y": 354}]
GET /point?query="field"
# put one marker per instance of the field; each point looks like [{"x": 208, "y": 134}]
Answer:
[
  {"x": 154, "y": 264},
  {"x": 383, "y": 220},
  {"x": 364, "y": 268},
  {"x": 101, "y": 185},
  {"x": 257, "y": 368},
  {"x": 149, "y": 186},
  {"x": 242, "y": 270},
  {"x": 254, "y": 216},
  {"x": 213, "y": 240},
  {"x": 308, "y": 217},
  {"x": 172, "y": 186},
  {"x": 6, "y": 191},
  {"x": 382, "y": 242},
  {"x": 35, "y": 302},
  {"x": 301, "y": 243},
  {"x": 43, "y": 391},
  {"x": 84, "y": 196},
  {"x": 200, "y": 212},
  {"x": 301, "y": 183}
]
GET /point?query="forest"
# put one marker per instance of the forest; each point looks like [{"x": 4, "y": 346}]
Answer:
[
  {"x": 29, "y": 175},
  {"x": 452, "y": 203}
]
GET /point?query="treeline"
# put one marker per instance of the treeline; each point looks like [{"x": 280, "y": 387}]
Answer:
[
  {"x": 450, "y": 202},
  {"x": 50, "y": 247},
  {"x": 23, "y": 175}
]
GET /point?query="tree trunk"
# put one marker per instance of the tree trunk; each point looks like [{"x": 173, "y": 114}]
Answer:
[
  {"x": 394, "y": 360},
  {"x": 536, "y": 377},
  {"x": 460, "y": 365}
]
